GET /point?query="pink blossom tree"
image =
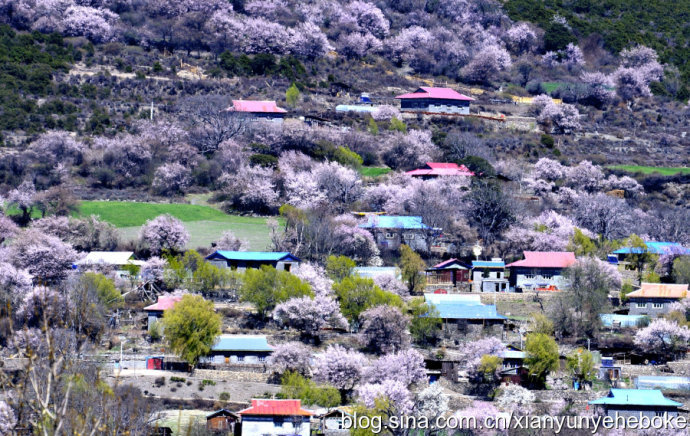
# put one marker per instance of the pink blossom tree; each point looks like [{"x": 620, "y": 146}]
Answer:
[
  {"x": 14, "y": 284},
  {"x": 662, "y": 337},
  {"x": 395, "y": 392},
  {"x": 8, "y": 228},
  {"x": 390, "y": 283},
  {"x": 251, "y": 188},
  {"x": 600, "y": 88},
  {"x": 405, "y": 366},
  {"x": 515, "y": 398},
  {"x": 385, "y": 113},
  {"x": 291, "y": 356},
  {"x": 45, "y": 257},
  {"x": 481, "y": 410},
  {"x": 368, "y": 18},
  {"x": 58, "y": 146},
  {"x": 358, "y": 45},
  {"x": 93, "y": 23},
  {"x": 228, "y": 241},
  {"x": 310, "y": 315},
  {"x": 473, "y": 351},
  {"x": 549, "y": 231},
  {"x": 315, "y": 275},
  {"x": 127, "y": 155},
  {"x": 521, "y": 38},
  {"x": 153, "y": 269},
  {"x": 8, "y": 419},
  {"x": 486, "y": 64},
  {"x": 164, "y": 233},
  {"x": 309, "y": 42},
  {"x": 23, "y": 197},
  {"x": 43, "y": 304},
  {"x": 171, "y": 178},
  {"x": 340, "y": 367},
  {"x": 585, "y": 176},
  {"x": 385, "y": 329},
  {"x": 409, "y": 151},
  {"x": 639, "y": 67},
  {"x": 559, "y": 118},
  {"x": 431, "y": 403}
]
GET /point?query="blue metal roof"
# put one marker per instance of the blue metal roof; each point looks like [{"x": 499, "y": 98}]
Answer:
[
  {"x": 662, "y": 382},
  {"x": 488, "y": 264},
  {"x": 241, "y": 343},
  {"x": 258, "y": 256},
  {"x": 657, "y": 248},
  {"x": 512, "y": 354},
  {"x": 394, "y": 222},
  {"x": 468, "y": 311},
  {"x": 635, "y": 397},
  {"x": 355, "y": 108},
  {"x": 607, "y": 319}
]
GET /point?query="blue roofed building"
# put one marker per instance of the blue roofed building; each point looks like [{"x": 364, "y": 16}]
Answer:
[
  {"x": 620, "y": 256},
  {"x": 457, "y": 309},
  {"x": 239, "y": 349},
  {"x": 391, "y": 231},
  {"x": 636, "y": 402},
  {"x": 489, "y": 276},
  {"x": 241, "y": 260}
]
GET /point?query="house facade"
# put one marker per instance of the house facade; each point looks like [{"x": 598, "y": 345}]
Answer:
[
  {"x": 461, "y": 310},
  {"x": 239, "y": 350},
  {"x": 636, "y": 402},
  {"x": 258, "y": 110},
  {"x": 450, "y": 276},
  {"x": 540, "y": 270},
  {"x": 489, "y": 276},
  {"x": 275, "y": 418},
  {"x": 390, "y": 232},
  {"x": 435, "y": 101},
  {"x": 241, "y": 260},
  {"x": 655, "y": 299}
]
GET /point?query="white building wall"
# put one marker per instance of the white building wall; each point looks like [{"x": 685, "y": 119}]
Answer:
[
  {"x": 521, "y": 280},
  {"x": 255, "y": 426}
]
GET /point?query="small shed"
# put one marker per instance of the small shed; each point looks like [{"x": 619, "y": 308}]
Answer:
[
  {"x": 154, "y": 362},
  {"x": 155, "y": 311},
  {"x": 258, "y": 109},
  {"x": 434, "y": 100},
  {"x": 223, "y": 420},
  {"x": 447, "y": 274}
]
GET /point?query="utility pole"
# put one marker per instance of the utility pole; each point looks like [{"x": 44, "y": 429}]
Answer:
[{"x": 152, "y": 110}]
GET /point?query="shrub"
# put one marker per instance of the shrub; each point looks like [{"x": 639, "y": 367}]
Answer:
[
  {"x": 547, "y": 140},
  {"x": 224, "y": 396},
  {"x": 158, "y": 382},
  {"x": 206, "y": 382},
  {"x": 177, "y": 379}
]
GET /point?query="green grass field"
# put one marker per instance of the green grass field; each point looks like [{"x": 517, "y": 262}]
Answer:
[
  {"x": 374, "y": 171},
  {"x": 664, "y": 171},
  {"x": 205, "y": 224},
  {"x": 550, "y": 87}
]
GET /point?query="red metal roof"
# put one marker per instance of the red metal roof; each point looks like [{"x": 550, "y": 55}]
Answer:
[
  {"x": 163, "y": 303},
  {"x": 441, "y": 169},
  {"x": 276, "y": 408},
  {"x": 256, "y": 106},
  {"x": 441, "y": 93},
  {"x": 447, "y": 263},
  {"x": 546, "y": 259}
]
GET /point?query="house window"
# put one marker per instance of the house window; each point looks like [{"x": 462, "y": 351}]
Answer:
[
  {"x": 659, "y": 413},
  {"x": 240, "y": 358},
  {"x": 390, "y": 235},
  {"x": 278, "y": 422},
  {"x": 640, "y": 305},
  {"x": 262, "y": 358},
  {"x": 658, "y": 305}
]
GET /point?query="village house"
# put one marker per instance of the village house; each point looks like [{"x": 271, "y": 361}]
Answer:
[
  {"x": 275, "y": 418},
  {"x": 391, "y": 231},
  {"x": 458, "y": 311},
  {"x": 155, "y": 311},
  {"x": 241, "y": 260},
  {"x": 122, "y": 262},
  {"x": 609, "y": 371},
  {"x": 540, "y": 270},
  {"x": 435, "y": 101},
  {"x": 258, "y": 110},
  {"x": 371, "y": 272},
  {"x": 489, "y": 276},
  {"x": 438, "y": 169},
  {"x": 633, "y": 402},
  {"x": 655, "y": 299},
  {"x": 449, "y": 276},
  {"x": 621, "y": 321},
  {"x": 239, "y": 349},
  {"x": 223, "y": 421},
  {"x": 621, "y": 257}
]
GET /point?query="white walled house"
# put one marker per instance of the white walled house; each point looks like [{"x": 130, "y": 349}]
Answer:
[
  {"x": 275, "y": 418},
  {"x": 239, "y": 350}
]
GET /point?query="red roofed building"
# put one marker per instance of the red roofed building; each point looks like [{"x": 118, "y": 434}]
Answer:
[
  {"x": 540, "y": 269},
  {"x": 437, "y": 169},
  {"x": 435, "y": 100},
  {"x": 155, "y": 311},
  {"x": 259, "y": 109},
  {"x": 275, "y": 417}
]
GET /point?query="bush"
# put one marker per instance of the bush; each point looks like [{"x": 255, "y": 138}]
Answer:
[
  {"x": 547, "y": 140},
  {"x": 177, "y": 379},
  {"x": 224, "y": 396},
  {"x": 158, "y": 382},
  {"x": 206, "y": 382}
]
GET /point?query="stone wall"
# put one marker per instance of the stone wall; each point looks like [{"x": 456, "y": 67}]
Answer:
[{"x": 213, "y": 374}]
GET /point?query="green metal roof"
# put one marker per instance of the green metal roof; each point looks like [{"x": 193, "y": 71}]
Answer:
[
  {"x": 635, "y": 397},
  {"x": 241, "y": 343}
]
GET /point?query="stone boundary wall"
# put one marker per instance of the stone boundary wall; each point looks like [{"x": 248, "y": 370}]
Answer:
[{"x": 213, "y": 374}]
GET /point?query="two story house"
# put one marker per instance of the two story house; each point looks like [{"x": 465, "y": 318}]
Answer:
[
  {"x": 655, "y": 299},
  {"x": 540, "y": 270}
]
